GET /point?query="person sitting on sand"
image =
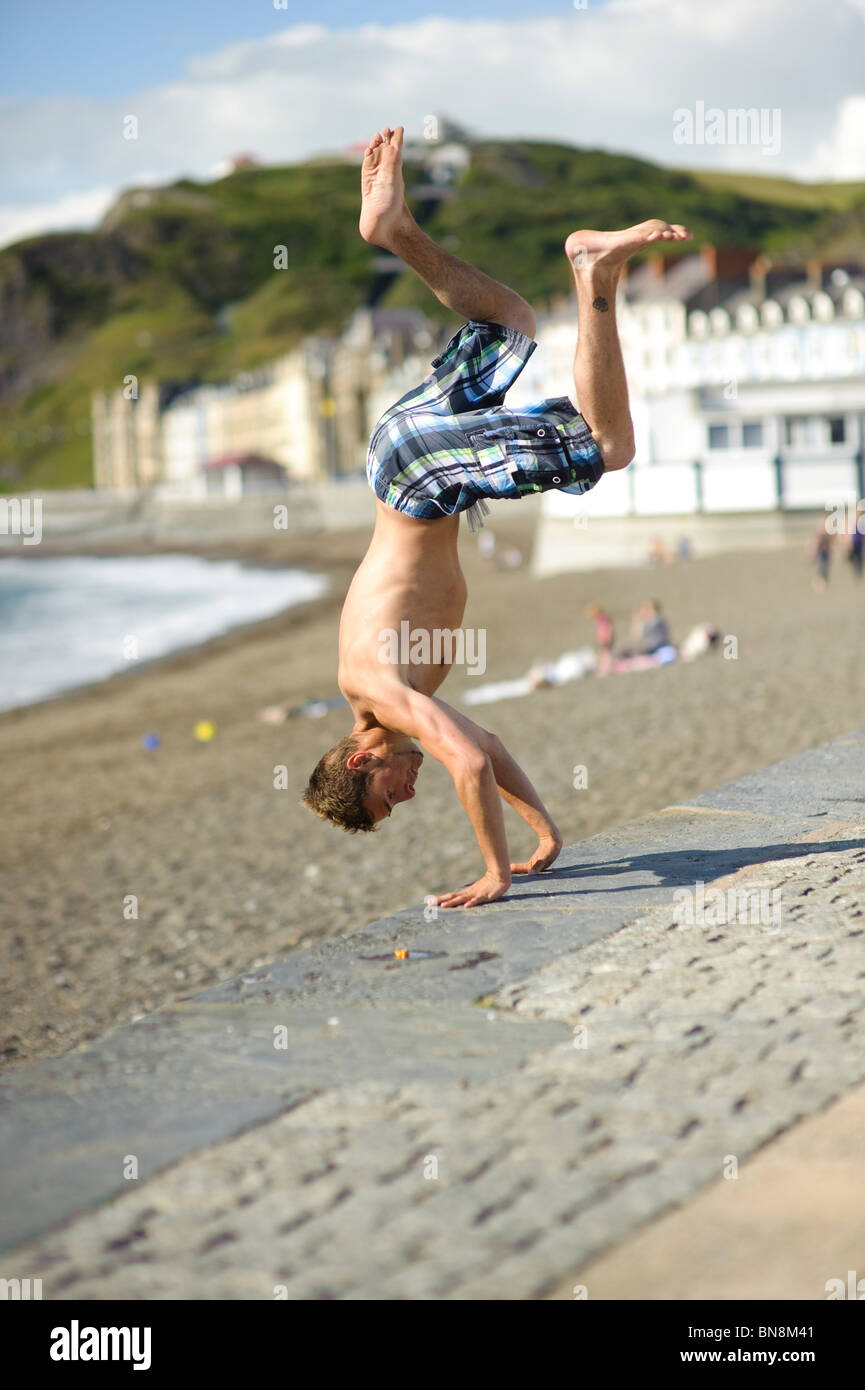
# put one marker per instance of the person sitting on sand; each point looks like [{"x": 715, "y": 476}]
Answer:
[
  {"x": 649, "y": 628},
  {"x": 654, "y": 632},
  {"x": 440, "y": 450}
]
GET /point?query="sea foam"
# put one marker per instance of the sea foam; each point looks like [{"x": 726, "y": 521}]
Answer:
[{"x": 68, "y": 621}]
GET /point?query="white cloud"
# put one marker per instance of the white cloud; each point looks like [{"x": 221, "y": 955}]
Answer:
[
  {"x": 72, "y": 212},
  {"x": 842, "y": 155},
  {"x": 608, "y": 76}
]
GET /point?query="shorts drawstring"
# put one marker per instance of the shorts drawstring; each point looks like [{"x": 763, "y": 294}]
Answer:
[{"x": 475, "y": 514}]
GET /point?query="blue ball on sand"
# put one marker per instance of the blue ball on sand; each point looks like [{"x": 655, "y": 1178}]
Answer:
[{"x": 150, "y": 741}]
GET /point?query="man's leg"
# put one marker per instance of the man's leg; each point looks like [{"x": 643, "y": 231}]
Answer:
[
  {"x": 386, "y": 221},
  {"x": 599, "y": 373}
]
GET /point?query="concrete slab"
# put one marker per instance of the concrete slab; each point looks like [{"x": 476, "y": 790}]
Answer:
[
  {"x": 194, "y": 1075},
  {"x": 826, "y": 781}
]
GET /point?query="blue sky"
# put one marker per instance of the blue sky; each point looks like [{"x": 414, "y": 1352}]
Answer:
[
  {"x": 208, "y": 79},
  {"x": 100, "y": 48}
]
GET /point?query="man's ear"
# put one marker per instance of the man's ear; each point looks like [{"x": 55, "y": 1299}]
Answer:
[{"x": 360, "y": 759}]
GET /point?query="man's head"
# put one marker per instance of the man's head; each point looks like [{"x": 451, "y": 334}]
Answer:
[{"x": 359, "y": 781}]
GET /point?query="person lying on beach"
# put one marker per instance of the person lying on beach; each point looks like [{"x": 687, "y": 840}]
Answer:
[{"x": 442, "y": 449}]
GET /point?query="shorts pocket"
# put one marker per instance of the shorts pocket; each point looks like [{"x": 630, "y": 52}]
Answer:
[{"x": 536, "y": 475}]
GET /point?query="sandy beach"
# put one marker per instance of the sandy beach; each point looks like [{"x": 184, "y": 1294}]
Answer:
[{"x": 230, "y": 872}]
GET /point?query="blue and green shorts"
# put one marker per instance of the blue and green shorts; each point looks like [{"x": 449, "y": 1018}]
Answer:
[{"x": 451, "y": 442}]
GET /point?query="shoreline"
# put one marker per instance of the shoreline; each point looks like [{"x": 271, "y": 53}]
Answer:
[{"x": 146, "y": 664}]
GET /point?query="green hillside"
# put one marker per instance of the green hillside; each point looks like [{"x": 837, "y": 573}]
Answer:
[
  {"x": 774, "y": 189},
  {"x": 178, "y": 284}
]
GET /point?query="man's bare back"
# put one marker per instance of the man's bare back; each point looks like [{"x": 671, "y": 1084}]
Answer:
[{"x": 411, "y": 572}]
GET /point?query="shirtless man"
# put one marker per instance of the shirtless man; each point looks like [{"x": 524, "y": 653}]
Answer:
[{"x": 439, "y": 451}]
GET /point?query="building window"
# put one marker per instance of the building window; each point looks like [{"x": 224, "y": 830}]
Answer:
[
  {"x": 802, "y": 430},
  {"x": 719, "y": 436},
  {"x": 812, "y": 431},
  {"x": 752, "y": 434},
  {"x": 836, "y": 430}
]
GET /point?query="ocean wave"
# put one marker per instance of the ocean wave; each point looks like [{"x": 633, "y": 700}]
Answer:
[{"x": 68, "y": 621}]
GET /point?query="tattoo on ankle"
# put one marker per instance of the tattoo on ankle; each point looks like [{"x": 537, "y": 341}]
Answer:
[{"x": 600, "y": 304}]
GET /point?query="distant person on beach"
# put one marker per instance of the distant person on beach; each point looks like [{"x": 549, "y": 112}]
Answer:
[
  {"x": 650, "y": 630},
  {"x": 854, "y": 554},
  {"x": 659, "y": 553},
  {"x": 487, "y": 544},
  {"x": 654, "y": 632},
  {"x": 821, "y": 553},
  {"x": 605, "y": 636},
  {"x": 440, "y": 450}
]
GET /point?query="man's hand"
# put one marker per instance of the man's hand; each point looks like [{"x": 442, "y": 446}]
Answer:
[
  {"x": 547, "y": 852},
  {"x": 485, "y": 890}
]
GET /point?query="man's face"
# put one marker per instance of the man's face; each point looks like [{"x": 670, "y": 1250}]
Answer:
[{"x": 393, "y": 779}]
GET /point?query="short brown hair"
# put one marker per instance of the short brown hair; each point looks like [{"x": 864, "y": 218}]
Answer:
[{"x": 336, "y": 792}]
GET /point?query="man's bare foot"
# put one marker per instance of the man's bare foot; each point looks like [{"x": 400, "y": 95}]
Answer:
[
  {"x": 382, "y": 189},
  {"x": 608, "y": 251}
]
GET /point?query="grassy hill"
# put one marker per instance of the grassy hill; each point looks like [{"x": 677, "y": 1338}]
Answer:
[
  {"x": 178, "y": 283},
  {"x": 772, "y": 189}
]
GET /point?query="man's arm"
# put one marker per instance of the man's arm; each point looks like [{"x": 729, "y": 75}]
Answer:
[
  {"x": 406, "y": 711},
  {"x": 480, "y": 766},
  {"x": 518, "y": 792},
  {"x": 516, "y": 789}
]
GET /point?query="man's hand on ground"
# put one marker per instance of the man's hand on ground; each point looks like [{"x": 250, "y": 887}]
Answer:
[
  {"x": 485, "y": 890},
  {"x": 547, "y": 852}
]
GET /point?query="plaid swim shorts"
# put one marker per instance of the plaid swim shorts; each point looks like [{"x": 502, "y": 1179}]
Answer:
[{"x": 451, "y": 441}]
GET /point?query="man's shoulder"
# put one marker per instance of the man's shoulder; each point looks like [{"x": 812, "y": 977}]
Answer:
[{"x": 370, "y": 686}]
